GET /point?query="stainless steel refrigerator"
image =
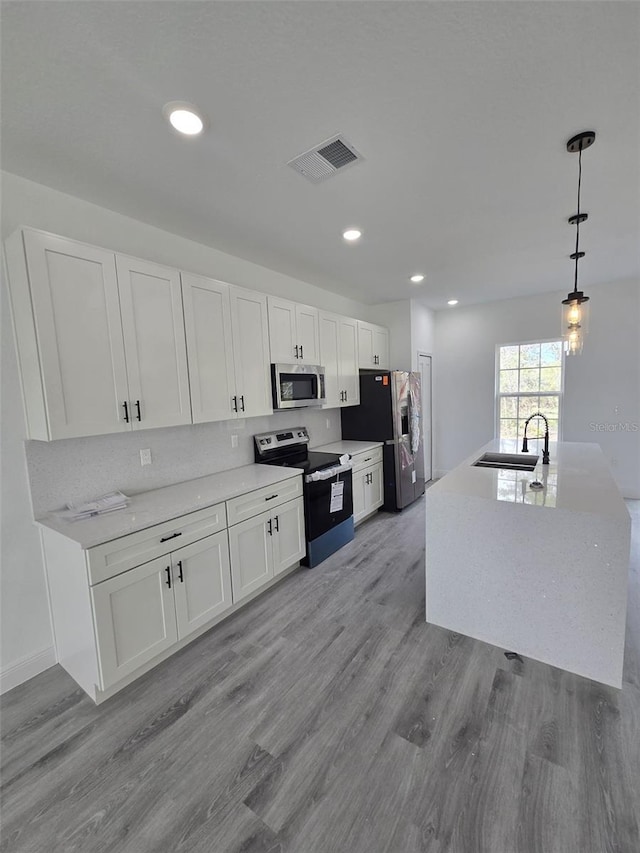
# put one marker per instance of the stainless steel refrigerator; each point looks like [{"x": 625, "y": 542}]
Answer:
[{"x": 390, "y": 411}]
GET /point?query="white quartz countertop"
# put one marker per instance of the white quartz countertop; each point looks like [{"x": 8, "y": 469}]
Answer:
[
  {"x": 159, "y": 505},
  {"x": 577, "y": 478},
  {"x": 351, "y": 447}
]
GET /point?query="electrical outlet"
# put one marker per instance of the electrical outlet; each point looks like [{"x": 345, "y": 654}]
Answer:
[
  {"x": 328, "y": 423},
  {"x": 145, "y": 457},
  {"x": 234, "y": 441}
]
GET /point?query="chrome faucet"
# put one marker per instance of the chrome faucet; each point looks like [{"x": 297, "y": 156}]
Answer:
[{"x": 525, "y": 445}]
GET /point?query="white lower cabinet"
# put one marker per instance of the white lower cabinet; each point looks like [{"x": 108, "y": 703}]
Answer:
[
  {"x": 266, "y": 545},
  {"x": 135, "y": 619},
  {"x": 202, "y": 582},
  {"x": 122, "y": 606},
  {"x": 368, "y": 484},
  {"x": 251, "y": 560},
  {"x": 144, "y": 611},
  {"x": 288, "y": 539}
]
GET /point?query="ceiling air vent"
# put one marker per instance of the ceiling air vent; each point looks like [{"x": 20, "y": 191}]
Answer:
[{"x": 326, "y": 159}]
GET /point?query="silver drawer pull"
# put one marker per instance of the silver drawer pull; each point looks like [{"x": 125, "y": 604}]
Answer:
[{"x": 173, "y": 536}]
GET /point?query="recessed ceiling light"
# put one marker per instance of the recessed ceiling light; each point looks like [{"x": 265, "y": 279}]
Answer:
[
  {"x": 452, "y": 302},
  {"x": 352, "y": 234},
  {"x": 185, "y": 118},
  {"x": 417, "y": 278}
]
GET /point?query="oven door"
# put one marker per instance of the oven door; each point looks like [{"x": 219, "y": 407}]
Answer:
[
  {"x": 321, "y": 512},
  {"x": 297, "y": 385}
]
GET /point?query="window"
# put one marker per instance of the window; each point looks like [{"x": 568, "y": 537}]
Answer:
[{"x": 529, "y": 380}]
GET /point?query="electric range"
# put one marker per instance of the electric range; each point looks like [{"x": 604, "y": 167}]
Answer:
[{"x": 328, "y": 491}]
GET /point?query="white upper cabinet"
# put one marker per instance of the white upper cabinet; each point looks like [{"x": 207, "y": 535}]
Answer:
[
  {"x": 100, "y": 339},
  {"x": 207, "y": 320},
  {"x": 308, "y": 334},
  {"x": 330, "y": 359},
  {"x": 348, "y": 331},
  {"x": 67, "y": 320},
  {"x": 250, "y": 333},
  {"x": 373, "y": 346},
  {"x": 339, "y": 357},
  {"x": 282, "y": 331},
  {"x": 293, "y": 332},
  {"x": 154, "y": 342}
]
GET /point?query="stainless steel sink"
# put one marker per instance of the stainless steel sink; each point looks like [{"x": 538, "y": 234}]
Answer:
[{"x": 508, "y": 461}]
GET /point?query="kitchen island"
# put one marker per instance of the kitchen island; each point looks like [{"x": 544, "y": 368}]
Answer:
[{"x": 539, "y": 572}]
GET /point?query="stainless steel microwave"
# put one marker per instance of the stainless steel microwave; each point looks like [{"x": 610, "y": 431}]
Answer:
[{"x": 297, "y": 385}]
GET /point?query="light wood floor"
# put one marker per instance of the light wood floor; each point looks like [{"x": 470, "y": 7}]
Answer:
[{"x": 327, "y": 717}]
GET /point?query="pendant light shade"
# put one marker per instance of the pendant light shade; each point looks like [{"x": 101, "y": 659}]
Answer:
[
  {"x": 575, "y": 308},
  {"x": 575, "y": 321}
]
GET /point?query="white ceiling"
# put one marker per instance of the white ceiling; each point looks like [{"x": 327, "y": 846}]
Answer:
[{"x": 461, "y": 109}]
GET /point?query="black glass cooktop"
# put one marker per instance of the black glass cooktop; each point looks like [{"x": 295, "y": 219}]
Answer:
[{"x": 310, "y": 461}]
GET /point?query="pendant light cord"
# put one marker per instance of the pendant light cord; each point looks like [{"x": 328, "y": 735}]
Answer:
[{"x": 575, "y": 278}]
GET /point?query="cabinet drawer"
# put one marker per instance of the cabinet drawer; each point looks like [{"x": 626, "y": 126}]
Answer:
[
  {"x": 112, "y": 558},
  {"x": 246, "y": 506},
  {"x": 364, "y": 460}
]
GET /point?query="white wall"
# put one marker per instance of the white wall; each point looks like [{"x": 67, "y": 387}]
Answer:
[
  {"x": 26, "y": 631},
  {"x": 601, "y": 386},
  {"x": 423, "y": 329},
  {"x": 25, "y": 628}
]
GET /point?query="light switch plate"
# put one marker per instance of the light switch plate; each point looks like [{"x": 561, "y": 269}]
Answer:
[
  {"x": 234, "y": 441},
  {"x": 145, "y": 457}
]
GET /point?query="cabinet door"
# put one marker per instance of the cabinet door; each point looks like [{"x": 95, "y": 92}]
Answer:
[
  {"x": 330, "y": 358},
  {"x": 207, "y": 320},
  {"x": 308, "y": 334},
  {"x": 360, "y": 494},
  {"x": 365, "y": 346},
  {"x": 135, "y": 619},
  {"x": 375, "y": 497},
  {"x": 154, "y": 341},
  {"x": 76, "y": 308},
  {"x": 349, "y": 376},
  {"x": 289, "y": 545},
  {"x": 250, "y": 546},
  {"x": 251, "y": 352},
  {"x": 381, "y": 347},
  {"x": 283, "y": 342},
  {"x": 202, "y": 582}
]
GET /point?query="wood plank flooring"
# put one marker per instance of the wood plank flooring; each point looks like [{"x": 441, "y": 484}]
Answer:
[{"x": 327, "y": 717}]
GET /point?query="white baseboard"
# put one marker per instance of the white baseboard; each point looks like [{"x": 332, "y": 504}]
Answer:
[{"x": 22, "y": 670}]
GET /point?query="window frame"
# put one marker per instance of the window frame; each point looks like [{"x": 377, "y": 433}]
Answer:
[{"x": 499, "y": 395}]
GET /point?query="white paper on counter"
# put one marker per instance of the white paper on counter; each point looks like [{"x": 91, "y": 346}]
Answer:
[{"x": 337, "y": 496}]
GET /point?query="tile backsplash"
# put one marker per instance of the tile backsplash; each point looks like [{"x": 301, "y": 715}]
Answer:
[{"x": 77, "y": 469}]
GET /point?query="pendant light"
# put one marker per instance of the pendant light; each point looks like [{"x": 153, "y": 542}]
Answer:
[{"x": 575, "y": 308}]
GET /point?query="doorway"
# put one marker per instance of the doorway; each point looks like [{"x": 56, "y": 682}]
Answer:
[{"x": 424, "y": 366}]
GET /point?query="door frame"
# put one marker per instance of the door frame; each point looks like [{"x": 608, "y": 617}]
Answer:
[{"x": 422, "y": 354}]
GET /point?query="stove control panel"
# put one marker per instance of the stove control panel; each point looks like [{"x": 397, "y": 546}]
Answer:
[{"x": 287, "y": 438}]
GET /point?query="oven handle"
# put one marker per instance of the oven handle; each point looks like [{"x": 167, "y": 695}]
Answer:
[{"x": 328, "y": 473}]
